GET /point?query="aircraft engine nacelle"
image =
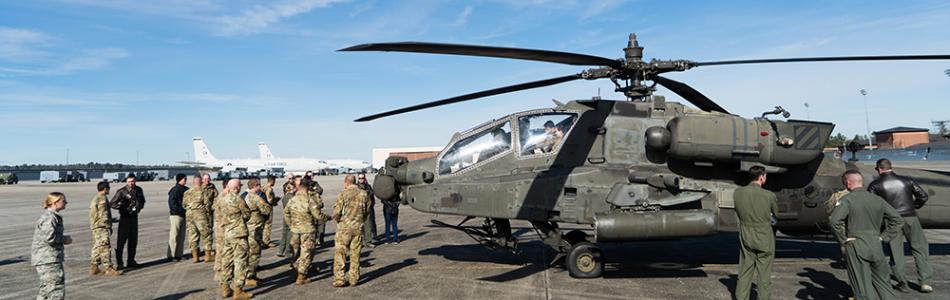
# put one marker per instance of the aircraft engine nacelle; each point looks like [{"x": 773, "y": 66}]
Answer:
[{"x": 727, "y": 138}]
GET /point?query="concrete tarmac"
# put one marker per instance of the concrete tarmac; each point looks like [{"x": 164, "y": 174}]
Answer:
[{"x": 429, "y": 263}]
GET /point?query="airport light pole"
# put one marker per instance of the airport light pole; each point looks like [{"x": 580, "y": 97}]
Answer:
[
  {"x": 867, "y": 119},
  {"x": 136, "y": 157},
  {"x": 807, "y": 111},
  {"x": 67, "y": 156}
]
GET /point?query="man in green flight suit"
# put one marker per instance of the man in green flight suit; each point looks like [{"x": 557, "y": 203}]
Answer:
[
  {"x": 756, "y": 208},
  {"x": 856, "y": 221}
]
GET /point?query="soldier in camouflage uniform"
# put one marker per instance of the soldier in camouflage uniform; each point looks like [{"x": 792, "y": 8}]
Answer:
[
  {"x": 829, "y": 208},
  {"x": 196, "y": 220},
  {"x": 233, "y": 255},
  {"x": 290, "y": 188},
  {"x": 47, "y": 250},
  {"x": 272, "y": 200},
  {"x": 833, "y": 200},
  {"x": 259, "y": 209},
  {"x": 302, "y": 212},
  {"x": 317, "y": 191},
  {"x": 100, "y": 221},
  {"x": 209, "y": 193},
  {"x": 553, "y": 138},
  {"x": 349, "y": 212}
]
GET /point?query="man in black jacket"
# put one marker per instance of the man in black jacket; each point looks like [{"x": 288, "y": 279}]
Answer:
[
  {"x": 906, "y": 196},
  {"x": 369, "y": 225},
  {"x": 129, "y": 201},
  {"x": 176, "y": 219}
]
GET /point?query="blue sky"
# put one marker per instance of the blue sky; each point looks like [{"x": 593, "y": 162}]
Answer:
[{"x": 108, "y": 78}]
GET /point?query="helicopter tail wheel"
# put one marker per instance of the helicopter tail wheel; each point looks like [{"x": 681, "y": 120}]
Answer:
[{"x": 584, "y": 261}]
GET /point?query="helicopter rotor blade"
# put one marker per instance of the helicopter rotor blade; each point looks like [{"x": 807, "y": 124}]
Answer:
[
  {"x": 466, "y": 97},
  {"x": 490, "y": 51},
  {"x": 819, "y": 59},
  {"x": 690, "y": 94}
]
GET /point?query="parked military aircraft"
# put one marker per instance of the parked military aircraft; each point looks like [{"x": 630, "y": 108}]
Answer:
[{"x": 637, "y": 169}]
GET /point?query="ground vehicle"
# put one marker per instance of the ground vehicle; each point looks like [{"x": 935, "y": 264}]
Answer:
[
  {"x": 49, "y": 176},
  {"x": 643, "y": 169},
  {"x": 160, "y": 175},
  {"x": 73, "y": 176},
  {"x": 8, "y": 178},
  {"x": 112, "y": 176}
]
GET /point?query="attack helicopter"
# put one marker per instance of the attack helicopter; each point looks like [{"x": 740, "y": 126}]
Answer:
[{"x": 632, "y": 170}]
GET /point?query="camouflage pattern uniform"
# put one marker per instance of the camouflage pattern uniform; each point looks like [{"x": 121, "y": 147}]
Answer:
[
  {"x": 548, "y": 144},
  {"x": 349, "y": 211},
  {"x": 233, "y": 255},
  {"x": 272, "y": 201},
  {"x": 285, "y": 246},
  {"x": 197, "y": 222},
  {"x": 302, "y": 213},
  {"x": 833, "y": 200},
  {"x": 829, "y": 208},
  {"x": 255, "y": 225},
  {"x": 209, "y": 194},
  {"x": 47, "y": 255},
  {"x": 100, "y": 221},
  {"x": 317, "y": 191}
]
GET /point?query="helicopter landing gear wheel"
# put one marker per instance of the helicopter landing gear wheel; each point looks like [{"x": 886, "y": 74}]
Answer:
[{"x": 584, "y": 261}]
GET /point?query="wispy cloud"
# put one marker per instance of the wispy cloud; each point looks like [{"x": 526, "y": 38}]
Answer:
[
  {"x": 462, "y": 18},
  {"x": 90, "y": 59},
  {"x": 362, "y": 7},
  {"x": 259, "y": 17},
  {"x": 596, "y": 8},
  {"x": 17, "y": 44},
  {"x": 184, "y": 9}
]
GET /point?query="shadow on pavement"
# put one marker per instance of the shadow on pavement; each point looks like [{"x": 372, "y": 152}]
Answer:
[
  {"x": 369, "y": 276},
  {"x": 407, "y": 237},
  {"x": 730, "y": 282},
  {"x": 12, "y": 261},
  {"x": 822, "y": 285},
  {"x": 274, "y": 282},
  {"x": 478, "y": 253},
  {"x": 282, "y": 262},
  {"x": 180, "y": 295}
]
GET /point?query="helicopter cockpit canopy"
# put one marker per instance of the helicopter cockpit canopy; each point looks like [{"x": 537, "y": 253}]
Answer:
[
  {"x": 481, "y": 145},
  {"x": 543, "y": 133}
]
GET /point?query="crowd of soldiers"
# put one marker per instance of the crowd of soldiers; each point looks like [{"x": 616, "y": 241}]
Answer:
[
  {"x": 228, "y": 227},
  {"x": 861, "y": 220},
  {"x": 233, "y": 228}
]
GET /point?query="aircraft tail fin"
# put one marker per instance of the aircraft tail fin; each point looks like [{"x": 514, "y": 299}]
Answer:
[
  {"x": 264, "y": 151},
  {"x": 202, "y": 154}
]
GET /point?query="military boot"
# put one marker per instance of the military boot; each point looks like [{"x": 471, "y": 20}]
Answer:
[
  {"x": 250, "y": 282},
  {"x": 209, "y": 257},
  {"x": 242, "y": 295},
  {"x": 195, "y": 255},
  {"x": 110, "y": 271},
  {"x": 301, "y": 279},
  {"x": 225, "y": 291},
  {"x": 93, "y": 269}
]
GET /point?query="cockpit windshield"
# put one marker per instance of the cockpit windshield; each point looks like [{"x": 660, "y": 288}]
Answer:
[
  {"x": 543, "y": 133},
  {"x": 476, "y": 148}
]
